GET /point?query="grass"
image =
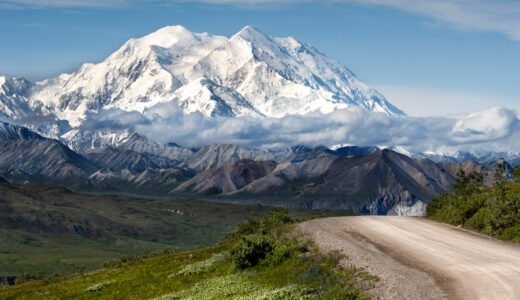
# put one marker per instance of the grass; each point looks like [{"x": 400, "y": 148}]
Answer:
[
  {"x": 46, "y": 230},
  {"x": 294, "y": 269}
]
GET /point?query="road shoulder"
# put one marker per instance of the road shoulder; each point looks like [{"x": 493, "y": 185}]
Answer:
[{"x": 399, "y": 277}]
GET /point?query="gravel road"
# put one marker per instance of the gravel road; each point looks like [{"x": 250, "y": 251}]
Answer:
[{"x": 420, "y": 259}]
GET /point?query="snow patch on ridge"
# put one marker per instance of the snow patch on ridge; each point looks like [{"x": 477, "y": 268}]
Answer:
[{"x": 404, "y": 209}]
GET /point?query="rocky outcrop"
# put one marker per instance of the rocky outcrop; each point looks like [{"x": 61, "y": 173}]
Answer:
[{"x": 382, "y": 183}]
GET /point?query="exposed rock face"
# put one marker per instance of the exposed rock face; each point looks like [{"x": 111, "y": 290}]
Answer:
[
  {"x": 10, "y": 132},
  {"x": 117, "y": 160},
  {"x": 227, "y": 179},
  {"x": 361, "y": 179},
  {"x": 45, "y": 160},
  {"x": 382, "y": 183}
]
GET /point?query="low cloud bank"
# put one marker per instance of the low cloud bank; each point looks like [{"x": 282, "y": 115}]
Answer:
[{"x": 496, "y": 129}]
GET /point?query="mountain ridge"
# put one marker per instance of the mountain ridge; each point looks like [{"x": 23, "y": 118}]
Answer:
[
  {"x": 249, "y": 74},
  {"x": 362, "y": 179}
]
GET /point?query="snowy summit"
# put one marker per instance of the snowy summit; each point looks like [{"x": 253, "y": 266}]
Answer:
[{"x": 248, "y": 74}]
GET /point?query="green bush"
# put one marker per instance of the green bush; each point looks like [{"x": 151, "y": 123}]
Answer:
[
  {"x": 285, "y": 248},
  {"x": 274, "y": 220},
  {"x": 201, "y": 266},
  {"x": 512, "y": 233},
  {"x": 478, "y": 220},
  {"x": 250, "y": 250},
  {"x": 491, "y": 210}
]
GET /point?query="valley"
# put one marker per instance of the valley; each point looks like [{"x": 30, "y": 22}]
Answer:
[{"x": 47, "y": 229}]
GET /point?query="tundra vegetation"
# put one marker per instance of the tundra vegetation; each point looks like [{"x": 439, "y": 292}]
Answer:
[
  {"x": 46, "y": 229},
  {"x": 262, "y": 259},
  {"x": 492, "y": 210}
]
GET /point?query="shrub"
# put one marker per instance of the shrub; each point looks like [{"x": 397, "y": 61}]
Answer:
[
  {"x": 225, "y": 287},
  {"x": 516, "y": 173},
  {"x": 267, "y": 224},
  {"x": 250, "y": 250},
  {"x": 492, "y": 210},
  {"x": 201, "y": 266},
  {"x": 478, "y": 220},
  {"x": 285, "y": 248},
  {"x": 512, "y": 233},
  {"x": 99, "y": 286},
  {"x": 129, "y": 259}
]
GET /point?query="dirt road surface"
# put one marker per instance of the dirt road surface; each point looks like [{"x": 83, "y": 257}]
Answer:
[{"x": 420, "y": 259}]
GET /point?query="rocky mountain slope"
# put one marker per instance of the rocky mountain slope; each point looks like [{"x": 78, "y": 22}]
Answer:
[
  {"x": 362, "y": 179},
  {"x": 27, "y": 156},
  {"x": 385, "y": 182}
]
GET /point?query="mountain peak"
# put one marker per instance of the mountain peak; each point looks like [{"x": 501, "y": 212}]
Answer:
[
  {"x": 249, "y": 74},
  {"x": 13, "y": 81},
  {"x": 251, "y": 34},
  {"x": 167, "y": 36},
  {"x": 249, "y": 29}
]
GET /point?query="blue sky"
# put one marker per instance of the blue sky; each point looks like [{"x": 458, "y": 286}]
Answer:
[{"x": 428, "y": 57}]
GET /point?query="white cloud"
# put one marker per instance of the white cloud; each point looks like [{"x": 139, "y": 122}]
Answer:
[
  {"x": 501, "y": 16},
  {"x": 423, "y": 102},
  {"x": 484, "y": 15},
  {"x": 489, "y": 125},
  {"x": 496, "y": 129}
]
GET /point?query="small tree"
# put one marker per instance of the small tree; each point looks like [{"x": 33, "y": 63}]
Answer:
[
  {"x": 250, "y": 250},
  {"x": 466, "y": 186},
  {"x": 504, "y": 207},
  {"x": 516, "y": 173},
  {"x": 499, "y": 180}
]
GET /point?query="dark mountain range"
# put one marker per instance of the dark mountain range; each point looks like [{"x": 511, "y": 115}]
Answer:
[
  {"x": 11, "y": 132},
  {"x": 349, "y": 151},
  {"x": 227, "y": 179},
  {"x": 119, "y": 159},
  {"x": 381, "y": 183},
  {"x": 142, "y": 145},
  {"x": 26, "y": 156},
  {"x": 362, "y": 179},
  {"x": 151, "y": 182}
]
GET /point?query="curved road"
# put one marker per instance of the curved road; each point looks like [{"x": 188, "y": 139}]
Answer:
[{"x": 420, "y": 259}]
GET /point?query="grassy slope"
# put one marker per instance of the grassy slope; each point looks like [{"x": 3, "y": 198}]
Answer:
[
  {"x": 494, "y": 211},
  {"x": 294, "y": 270},
  {"x": 50, "y": 229}
]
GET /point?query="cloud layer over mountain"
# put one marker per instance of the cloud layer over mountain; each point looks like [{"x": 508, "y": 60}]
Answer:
[
  {"x": 252, "y": 90},
  {"x": 496, "y": 129}
]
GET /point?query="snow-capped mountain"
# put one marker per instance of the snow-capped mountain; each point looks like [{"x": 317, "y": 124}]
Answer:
[
  {"x": 13, "y": 97},
  {"x": 248, "y": 74}
]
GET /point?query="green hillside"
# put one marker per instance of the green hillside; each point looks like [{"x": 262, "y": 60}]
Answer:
[
  {"x": 490, "y": 210},
  {"x": 259, "y": 260},
  {"x": 46, "y": 229}
]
